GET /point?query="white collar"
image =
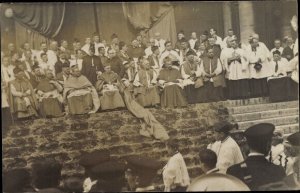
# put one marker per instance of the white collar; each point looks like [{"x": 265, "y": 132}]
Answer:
[
  {"x": 255, "y": 154},
  {"x": 212, "y": 170}
]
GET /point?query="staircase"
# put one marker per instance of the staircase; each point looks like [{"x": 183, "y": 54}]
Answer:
[{"x": 284, "y": 115}]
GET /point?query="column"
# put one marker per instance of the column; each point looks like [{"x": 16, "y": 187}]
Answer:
[
  {"x": 246, "y": 20},
  {"x": 227, "y": 17}
]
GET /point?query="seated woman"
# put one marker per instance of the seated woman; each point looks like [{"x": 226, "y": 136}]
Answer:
[
  {"x": 170, "y": 80},
  {"x": 106, "y": 86},
  {"x": 279, "y": 82},
  {"x": 49, "y": 97},
  {"x": 79, "y": 94},
  {"x": 23, "y": 102},
  {"x": 145, "y": 85}
]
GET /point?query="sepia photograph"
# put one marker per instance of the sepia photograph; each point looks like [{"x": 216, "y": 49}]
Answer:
[{"x": 162, "y": 96}]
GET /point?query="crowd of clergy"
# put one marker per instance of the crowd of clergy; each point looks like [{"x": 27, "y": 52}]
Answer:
[
  {"x": 270, "y": 162},
  {"x": 59, "y": 79}
]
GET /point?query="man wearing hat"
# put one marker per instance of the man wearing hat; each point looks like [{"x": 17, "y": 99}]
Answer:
[
  {"x": 79, "y": 94},
  {"x": 256, "y": 170},
  {"x": 91, "y": 65},
  {"x": 110, "y": 176},
  {"x": 229, "y": 153},
  {"x": 190, "y": 72},
  {"x": 185, "y": 48},
  {"x": 107, "y": 88},
  {"x": 213, "y": 78},
  {"x": 46, "y": 176},
  {"x": 145, "y": 85},
  {"x": 259, "y": 58},
  {"x": 62, "y": 61},
  {"x": 292, "y": 149},
  {"x": 140, "y": 173},
  {"x": 167, "y": 52},
  {"x": 169, "y": 78},
  {"x": 17, "y": 180},
  {"x": 88, "y": 161},
  {"x": 23, "y": 102},
  {"x": 235, "y": 63}
]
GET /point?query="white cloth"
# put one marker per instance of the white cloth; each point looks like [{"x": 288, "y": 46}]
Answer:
[
  {"x": 8, "y": 73},
  {"x": 161, "y": 44},
  {"x": 214, "y": 146},
  {"x": 192, "y": 43},
  {"x": 229, "y": 154},
  {"x": 276, "y": 151},
  {"x": 220, "y": 42},
  {"x": 263, "y": 53},
  {"x": 286, "y": 162},
  {"x": 87, "y": 184},
  {"x": 175, "y": 172},
  {"x": 279, "y": 49},
  {"x": 295, "y": 49},
  {"x": 167, "y": 53},
  {"x": 98, "y": 45},
  {"x": 236, "y": 70},
  {"x": 148, "y": 52},
  {"x": 295, "y": 63},
  {"x": 283, "y": 67},
  {"x": 86, "y": 48},
  {"x": 52, "y": 57}
]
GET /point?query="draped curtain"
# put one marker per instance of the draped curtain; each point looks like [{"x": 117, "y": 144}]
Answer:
[
  {"x": 152, "y": 17},
  {"x": 44, "y": 18}
]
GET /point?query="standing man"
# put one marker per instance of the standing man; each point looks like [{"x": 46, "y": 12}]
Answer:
[
  {"x": 167, "y": 52},
  {"x": 91, "y": 66},
  {"x": 237, "y": 68},
  {"x": 229, "y": 152},
  {"x": 230, "y": 35},
  {"x": 193, "y": 41},
  {"x": 218, "y": 40},
  {"x": 256, "y": 170},
  {"x": 159, "y": 42},
  {"x": 288, "y": 52},
  {"x": 115, "y": 63},
  {"x": 259, "y": 66}
]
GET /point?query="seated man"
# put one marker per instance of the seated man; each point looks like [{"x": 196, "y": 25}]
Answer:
[
  {"x": 115, "y": 63},
  {"x": 49, "y": 97},
  {"x": 107, "y": 88},
  {"x": 278, "y": 82},
  {"x": 145, "y": 83},
  {"x": 169, "y": 79},
  {"x": 79, "y": 94},
  {"x": 22, "y": 99},
  {"x": 211, "y": 70},
  {"x": 190, "y": 71},
  {"x": 64, "y": 74}
]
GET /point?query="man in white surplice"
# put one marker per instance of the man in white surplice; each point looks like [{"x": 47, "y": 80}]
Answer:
[{"x": 229, "y": 152}]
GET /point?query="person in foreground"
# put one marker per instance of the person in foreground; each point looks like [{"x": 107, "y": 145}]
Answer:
[
  {"x": 175, "y": 174},
  {"x": 256, "y": 170}
]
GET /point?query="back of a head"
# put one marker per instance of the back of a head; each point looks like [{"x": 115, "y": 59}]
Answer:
[
  {"x": 208, "y": 157},
  {"x": 217, "y": 182},
  {"x": 259, "y": 137},
  {"x": 15, "y": 180},
  {"x": 46, "y": 173}
]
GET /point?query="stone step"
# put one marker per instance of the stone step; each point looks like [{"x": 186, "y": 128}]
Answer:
[
  {"x": 262, "y": 107},
  {"x": 265, "y": 114},
  {"x": 277, "y": 121},
  {"x": 251, "y": 101},
  {"x": 287, "y": 129}
]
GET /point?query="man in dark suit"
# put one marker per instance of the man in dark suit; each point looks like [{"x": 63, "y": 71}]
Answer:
[
  {"x": 91, "y": 65},
  {"x": 256, "y": 170}
]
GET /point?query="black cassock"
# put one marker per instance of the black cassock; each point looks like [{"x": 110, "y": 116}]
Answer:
[
  {"x": 90, "y": 66},
  {"x": 260, "y": 169}
]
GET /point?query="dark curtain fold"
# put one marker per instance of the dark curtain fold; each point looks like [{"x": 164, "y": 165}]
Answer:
[
  {"x": 152, "y": 17},
  {"x": 44, "y": 18}
]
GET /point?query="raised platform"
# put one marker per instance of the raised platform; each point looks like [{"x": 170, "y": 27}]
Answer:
[{"x": 67, "y": 138}]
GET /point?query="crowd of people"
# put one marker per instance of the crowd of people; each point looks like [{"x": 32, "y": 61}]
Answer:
[
  {"x": 271, "y": 163},
  {"x": 58, "y": 80}
]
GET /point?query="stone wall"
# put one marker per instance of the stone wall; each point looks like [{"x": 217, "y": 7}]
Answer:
[{"x": 67, "y": 138}]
